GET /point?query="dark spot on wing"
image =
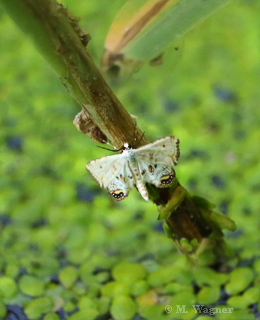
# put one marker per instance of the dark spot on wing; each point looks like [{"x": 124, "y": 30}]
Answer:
[
  {"x": 150, "y": 168},
  {"x": 166, "y": 180},
  {"x": 118, "y": 194},
  {"x": 143, "y": 172}
]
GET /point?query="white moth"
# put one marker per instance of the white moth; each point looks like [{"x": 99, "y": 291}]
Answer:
[{"x": 152, "y": 163}]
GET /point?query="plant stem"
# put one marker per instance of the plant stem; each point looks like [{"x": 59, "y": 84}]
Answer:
[{"x": 49, "y": 26}]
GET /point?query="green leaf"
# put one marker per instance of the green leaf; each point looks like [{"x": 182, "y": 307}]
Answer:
[
  {"x": 222, "y": 221},
  {"x": 252, "y": 295},
  {"x": 87, "y": 303},
  {"x": 31, "y": 285},
  {"x": 185, "y": 245},
  {"x": 221, "y": 310},
  {"x": 51, "y": 316},
  {"x": 129, "y": 272},
  {"x": 206, "y": 257},
  {"x": 143, "y": 30},
  {"x": 37, "y": 307},
  {"x": 183, "y": 298},
  {"x": 85, "y": 272},
  {"x": 123, "y": 308},
  {"x": 208, "y": 295},
  {"x": 171, "y": 23},
  {"x": 208, "y": 276},
  {"x": 12, "y": 270},
  {"x": 175, "y": 287},
  {"x": 257, "y": 265},
  {"x": 167, "y": 274},
  {"x": 115, "y": 288},
  {"x": 239, "y": 279},
  {"x": 103, "y": 305},
  {"x": 89, "y": 314},
  {"x": 102, "y": 277},
  {"x": 139, "y": 287},
  {"x": 79, "y": 289},
  {"x": 232, "y": 314},
  {"x": 69, "y": 306},
  {"x": 154, "y": 312},
  {"x": 3, "y": 310},
  {"x": 185, "y": 311},
  {"x": 68, "y": 276},
  {"x": 8, "y": 287},
  {"x": 101, "y": 261},
  {"x": 237, "y": 302}
]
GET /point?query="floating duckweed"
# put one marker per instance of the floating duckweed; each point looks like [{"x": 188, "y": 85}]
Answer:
[
  {"x": 31, "y": 285},
  {"x": 68, "y": 276},
  {"x": 123, "y": 308}
]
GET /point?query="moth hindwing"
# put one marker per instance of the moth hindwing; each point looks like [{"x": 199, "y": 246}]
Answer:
[{"x": 152, "y": 163}]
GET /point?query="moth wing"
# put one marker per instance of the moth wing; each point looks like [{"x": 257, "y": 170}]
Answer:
[
  {"x": 156, "y": 161},
  {"x": 121, "y": 184},
  {"x": 104, "y": 169},
  {"x": 164, "y": 151},
  {"x": 160, "y": 175},
  {"x": 113, "y": 173}
]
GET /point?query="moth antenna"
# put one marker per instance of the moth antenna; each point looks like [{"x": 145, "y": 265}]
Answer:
[
  {"x": 110, "y": 145},
  {"x": 108, "y": 149},
  {"x": 112, "y": 149}
]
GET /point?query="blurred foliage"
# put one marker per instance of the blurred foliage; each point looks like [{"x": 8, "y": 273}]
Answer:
[
  {"x": 67, "y": 250},
  {"x": 143, "y": 29}
]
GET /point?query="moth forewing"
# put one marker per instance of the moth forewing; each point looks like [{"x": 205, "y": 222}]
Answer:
[
  {"x": 156, "y": 161},
  {"x": 104, "y": 169},
  {"x": 168, "y": 142},
  {"x": 112, "y": 173},
  {"x": 162, "y": 176},
  {"x": 164, "y": 151}
]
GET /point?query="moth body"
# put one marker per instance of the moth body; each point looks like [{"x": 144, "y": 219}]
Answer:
[{"x": 132, "y": 163}]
